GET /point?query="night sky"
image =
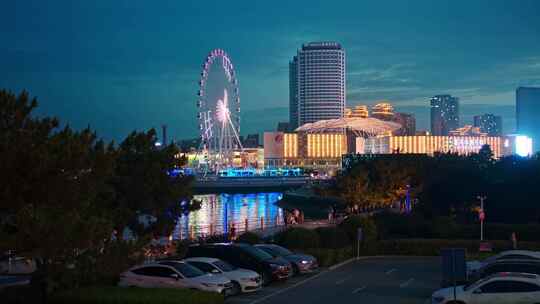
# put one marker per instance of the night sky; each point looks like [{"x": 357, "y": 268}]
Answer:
[{"x": 123, "y": 65}]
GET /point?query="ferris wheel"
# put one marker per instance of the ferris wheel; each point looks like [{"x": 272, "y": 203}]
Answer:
[{"x": 218, "y": 111}]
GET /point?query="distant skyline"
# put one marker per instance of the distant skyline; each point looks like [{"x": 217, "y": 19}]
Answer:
[{"x": 124, "y": 65}]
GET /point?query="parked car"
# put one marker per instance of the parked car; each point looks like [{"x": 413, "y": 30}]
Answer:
[
  {"x": 301, "y": 263},
  {"x": 22, "y": 280},
  {"x": 245, "y": 256},
  {"x": 174, "y": 274},
  {"x": 474, "y": 266},
  {"x": 521, "y": 266},
  {"x": 244, "y": 280},
  {"x": 496, "y": 289}
]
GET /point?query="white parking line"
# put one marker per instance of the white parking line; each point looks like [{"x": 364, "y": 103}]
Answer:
[
  {"x": 289, "y": 288},
  {"x": 342, "y": 281},
  {"x": 357, "y": 290},
  {"x": 406, "y": 283},
  {"x": 390, "y": 271}
]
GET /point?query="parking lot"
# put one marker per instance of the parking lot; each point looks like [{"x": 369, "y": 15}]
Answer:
[{"x": 370, "y": 280}]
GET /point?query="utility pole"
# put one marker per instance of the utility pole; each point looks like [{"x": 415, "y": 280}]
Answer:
[{"x": 482, "y": 215}]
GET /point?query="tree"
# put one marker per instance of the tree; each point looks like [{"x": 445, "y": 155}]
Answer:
[{"x": 64, "y": 191}]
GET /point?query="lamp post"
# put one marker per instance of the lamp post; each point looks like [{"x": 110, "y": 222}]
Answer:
[{"x": 481, "y": 215}]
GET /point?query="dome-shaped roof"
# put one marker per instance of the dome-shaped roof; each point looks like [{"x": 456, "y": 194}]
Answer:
[{"x": 361, "y": 126}]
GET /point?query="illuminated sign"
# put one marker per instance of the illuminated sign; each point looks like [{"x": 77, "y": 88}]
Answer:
[{"x": 523, "y": 145}]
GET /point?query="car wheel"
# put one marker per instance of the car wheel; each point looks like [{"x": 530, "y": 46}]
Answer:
[
  {"x": 237, "y": 289},
  {"x": 266, "y": 277},
  {"x": 455, "y": 302}
]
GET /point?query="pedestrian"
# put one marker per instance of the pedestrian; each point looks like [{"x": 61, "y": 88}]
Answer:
[
  {"x": 296, "y": 214},
  {"x": 513, "y": 238},
  {"x": 232, "y": 233}
]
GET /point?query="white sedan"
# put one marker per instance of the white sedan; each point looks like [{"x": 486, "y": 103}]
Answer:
[
  {"x": 474, "y": 266},
  {"x": 244, "y": 280},
  {"x": 173, "y": 274},
  {"x": 501, "y": 288}
]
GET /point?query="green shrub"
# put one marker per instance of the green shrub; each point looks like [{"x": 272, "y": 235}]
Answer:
[
  {"x": 119, "y": 295},
  {"x": 249, "y": 238},
  {"x": 329, "y": 257},
  {"x": 332, "y": 237},
  {"x": 369, "y": 229},
  {"x": 298, "y": 238}
]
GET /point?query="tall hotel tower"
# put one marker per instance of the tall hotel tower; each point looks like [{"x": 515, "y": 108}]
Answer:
[{"x": 317, "y": 83}]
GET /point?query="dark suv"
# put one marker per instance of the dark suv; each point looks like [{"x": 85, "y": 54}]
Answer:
[{"x": 245, "y": 256}]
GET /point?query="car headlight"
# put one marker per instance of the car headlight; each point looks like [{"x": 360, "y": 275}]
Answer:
[
  {"x": 305, "y": 262},
  {"x": 437, "y": 299}
]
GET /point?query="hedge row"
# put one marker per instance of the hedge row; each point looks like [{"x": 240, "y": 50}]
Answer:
[{"x": 392, "y": 226}]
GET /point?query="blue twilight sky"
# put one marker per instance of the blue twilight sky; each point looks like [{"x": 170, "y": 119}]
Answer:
[{"x": 119, "y": 65}]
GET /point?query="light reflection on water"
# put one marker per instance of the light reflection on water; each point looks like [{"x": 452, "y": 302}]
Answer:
[{"x": 219, "y": 211}]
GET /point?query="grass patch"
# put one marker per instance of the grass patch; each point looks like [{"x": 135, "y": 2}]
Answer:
[{"x": 119, "y": 295}]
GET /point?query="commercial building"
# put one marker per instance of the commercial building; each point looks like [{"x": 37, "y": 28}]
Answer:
[
  {"x": 359, "y": 111},
  {"x": 489, "y": 124},
  {"x": 303, "y": 149},
  {"x": 317, "y": 83},
  {"x": 383, "y": 111},
  {"x": 528, "y": 114},
  {"x": 444, "y": 114},
  {"x": 321, "y": 144},
  {"x": 462, "y": 145}
]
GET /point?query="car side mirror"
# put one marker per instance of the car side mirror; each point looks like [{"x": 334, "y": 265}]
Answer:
[
  {"x": 215, "y": 271},
  {"x": 175, "y": 276},
  {"x": 477, "y": 291}
]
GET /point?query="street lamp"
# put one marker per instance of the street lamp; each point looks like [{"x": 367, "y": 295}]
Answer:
[{"x": 481, "y": 215}]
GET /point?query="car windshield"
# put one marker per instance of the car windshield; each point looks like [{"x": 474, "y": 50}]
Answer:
[
  {"x": 224, "y": 266},
  {"x": 187, "y": 270},
  {"x": 258, "y": 253}
]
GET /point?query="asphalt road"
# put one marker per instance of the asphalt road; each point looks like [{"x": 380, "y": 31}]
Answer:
[{"x": 375, "y": 280}]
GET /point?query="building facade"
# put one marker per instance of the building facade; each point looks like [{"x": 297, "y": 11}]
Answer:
[
  {"x": 304, "y": 149},
  {"x": 462, "y": 145},
  {"x": 489, "y": 124},
  {"x": 317, "y": 83},
  {"x": 444, "y": 114},
  {"x": 528, "y": 114}
]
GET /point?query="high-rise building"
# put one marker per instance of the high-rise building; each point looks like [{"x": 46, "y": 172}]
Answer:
[
  {"x": 293, "y": 93},
  {"x": 444, "y": 114},
  {"x": 489, "y": 124},
  {"x": 407, "y": 122},
  {"x": 383, "y": 111},
  {"x": 528, "y": 114},
  {"x": 317, "y": 83}
]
